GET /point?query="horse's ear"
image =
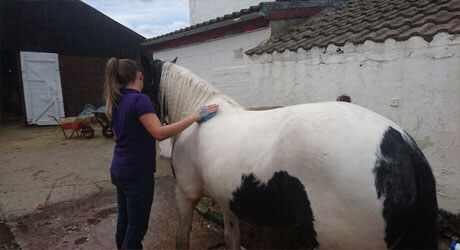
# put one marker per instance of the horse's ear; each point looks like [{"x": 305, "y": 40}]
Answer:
[
  {"x": 175, "y": 60},
  {"x": 145, "y": 62}
]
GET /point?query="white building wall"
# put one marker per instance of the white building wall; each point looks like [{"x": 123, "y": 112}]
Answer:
[
  {"x": 205, "y": 10},
  {"x": 414, "y": 83},
  {"x": 221, "y": 62}
]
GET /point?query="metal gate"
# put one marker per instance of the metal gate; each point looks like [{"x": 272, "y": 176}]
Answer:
[{"x": 42, "y": 87}]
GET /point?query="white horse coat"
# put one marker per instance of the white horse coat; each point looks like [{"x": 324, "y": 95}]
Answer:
[{"x": 348, "y": 176}]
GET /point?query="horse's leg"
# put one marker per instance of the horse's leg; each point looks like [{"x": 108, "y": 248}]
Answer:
[
  {"x": 185, "y": 205},
  {"x": 232, "y": 230}
]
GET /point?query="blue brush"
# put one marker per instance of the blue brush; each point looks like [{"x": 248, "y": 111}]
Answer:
[{"x": 205, "y": 117}]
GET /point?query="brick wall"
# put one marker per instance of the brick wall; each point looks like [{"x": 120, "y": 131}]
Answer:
[{"x": 82, "y": 80}]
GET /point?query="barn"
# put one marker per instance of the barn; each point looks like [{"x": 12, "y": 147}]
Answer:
[
  {"x": 53, "y": 56},
  {"x": 400, "y": 59}
]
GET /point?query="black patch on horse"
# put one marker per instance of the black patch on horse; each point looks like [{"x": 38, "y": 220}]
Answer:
[
  {"x": 282, "y": 201},
  {"x": 405, "y": 183}
]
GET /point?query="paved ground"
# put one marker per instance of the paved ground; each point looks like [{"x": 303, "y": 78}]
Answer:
[
  {"x": 56, "y": 193},
  {"x": 90, "y": 224},
  {"x": 40, "y": 167}
]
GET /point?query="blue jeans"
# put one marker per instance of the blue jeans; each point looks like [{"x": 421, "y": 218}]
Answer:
[{"x": 135, "y": 199}]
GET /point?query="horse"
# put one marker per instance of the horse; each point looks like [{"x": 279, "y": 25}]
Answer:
[{"x": 345, "y": 176}]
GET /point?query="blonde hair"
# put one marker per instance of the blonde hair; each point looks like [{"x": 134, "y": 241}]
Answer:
[{"x": 118, "y": 73}]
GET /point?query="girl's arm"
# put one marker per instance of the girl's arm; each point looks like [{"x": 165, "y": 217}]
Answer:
[{"x": 160, "y": 132}]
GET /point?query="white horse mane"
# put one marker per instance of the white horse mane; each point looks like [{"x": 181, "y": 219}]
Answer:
[{"x": 184, "y": 93}]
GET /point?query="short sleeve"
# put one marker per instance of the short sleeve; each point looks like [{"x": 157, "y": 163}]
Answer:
[{"x": 143, "y": 105}]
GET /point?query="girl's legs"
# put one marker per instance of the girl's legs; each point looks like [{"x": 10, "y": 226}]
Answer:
[
  {"x": 122, "y": 221},
  {"x": 134, "y": 204},
  {"x": 139, "y": 204}
]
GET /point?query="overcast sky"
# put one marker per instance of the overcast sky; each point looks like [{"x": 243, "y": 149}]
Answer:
[{"x": 149, "y": 18}]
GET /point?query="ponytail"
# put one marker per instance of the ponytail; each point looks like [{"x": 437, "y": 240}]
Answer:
[
  {"x": 118, "y": 73},
  {"x": 112, "y": 88}
]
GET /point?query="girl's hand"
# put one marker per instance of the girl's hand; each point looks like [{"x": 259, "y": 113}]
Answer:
[{"x": 208, "y": 110}]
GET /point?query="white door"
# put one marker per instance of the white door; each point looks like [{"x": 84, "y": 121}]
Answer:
[{"x": 42, "y": 87}]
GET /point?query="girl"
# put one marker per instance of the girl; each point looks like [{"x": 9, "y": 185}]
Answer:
[{"x": 136, "y": 128}]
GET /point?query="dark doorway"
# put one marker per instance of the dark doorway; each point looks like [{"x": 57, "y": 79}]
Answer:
[{"x": 11, "y": 92}]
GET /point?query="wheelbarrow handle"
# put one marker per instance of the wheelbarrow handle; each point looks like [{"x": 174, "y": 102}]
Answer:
[{"x": 54, "y": 118}]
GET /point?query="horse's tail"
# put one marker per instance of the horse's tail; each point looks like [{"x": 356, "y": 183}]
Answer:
[
  {"x": 405, "y": 180},
  {"x": 422, "y": 232}
]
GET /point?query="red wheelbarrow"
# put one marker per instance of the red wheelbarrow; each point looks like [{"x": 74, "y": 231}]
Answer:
[{"x": 77, "y": 126}]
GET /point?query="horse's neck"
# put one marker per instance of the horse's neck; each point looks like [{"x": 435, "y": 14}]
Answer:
[{"x": 186, "y": 93}]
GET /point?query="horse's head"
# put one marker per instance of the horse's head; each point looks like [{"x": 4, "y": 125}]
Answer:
[
  {"x": 152, "y": 76},
  {"x": 176, "y": 91}
]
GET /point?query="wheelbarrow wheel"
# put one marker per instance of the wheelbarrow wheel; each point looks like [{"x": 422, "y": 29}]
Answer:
[
  {"x": 88, "y": 132},
  {"x": 107, "y": 132}
]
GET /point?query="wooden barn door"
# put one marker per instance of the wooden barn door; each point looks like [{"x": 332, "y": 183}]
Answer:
[{"x": 42, "y": 87}]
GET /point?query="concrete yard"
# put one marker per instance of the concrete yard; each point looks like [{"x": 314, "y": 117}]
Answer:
[
  {"x": 39, "y": 167},
  {"x": 56, "y": 193}
]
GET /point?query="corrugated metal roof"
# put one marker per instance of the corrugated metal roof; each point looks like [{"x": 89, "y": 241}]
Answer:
[{"x": 375, "y": 20}]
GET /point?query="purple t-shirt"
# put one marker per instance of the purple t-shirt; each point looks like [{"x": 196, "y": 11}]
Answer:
[{"x": 135, "y": 152}]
